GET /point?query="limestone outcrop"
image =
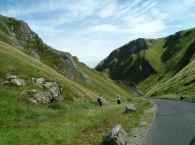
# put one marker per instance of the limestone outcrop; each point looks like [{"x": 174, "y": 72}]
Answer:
[
  {"x": 14, "y": 80},
  {"x": 34, "y": 54},
  {"x": 22, "y": 37},
  {"x": 130, "y": 108},
  {"x": 67, "y": 66},
  {"x": 117, "y": 136},
  {"x": 132, "y": 87},
  {"x": 50, "y": 92}
]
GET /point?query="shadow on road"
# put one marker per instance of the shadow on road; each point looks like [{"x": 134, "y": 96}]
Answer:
[{"x": 192, "y": 142}]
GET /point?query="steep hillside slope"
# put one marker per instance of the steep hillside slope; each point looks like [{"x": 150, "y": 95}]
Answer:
[
  {"x": 18, "y": 34},
  {"x": 17, "y": 63},
  {"x": 49, "y": 97},
  {"x": 128, "y": 63},
  {"x": 180, "y": 84},
  {"x": 68, "y": 121},
  {"x": 163, "y": 59},
  {"x": 82, "y": 82}
]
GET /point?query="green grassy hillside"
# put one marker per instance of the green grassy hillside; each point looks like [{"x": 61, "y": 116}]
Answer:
[
  {"x": 181, "y": 84},
  {"x": 70, "y": 121},
  {"x": 176, "y": 53},
  {"x": 164, "y": 58},
  {"x": 77, "y": 119}
]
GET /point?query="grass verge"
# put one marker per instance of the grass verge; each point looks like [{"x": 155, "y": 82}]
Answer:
[{"x": 78, "y": 125}]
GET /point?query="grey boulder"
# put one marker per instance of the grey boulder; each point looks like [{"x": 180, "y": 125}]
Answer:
[
  {"x": 15, "y": 80},
  {"x": 117, "y": 136},
  {"x": 130, "y": 108}
]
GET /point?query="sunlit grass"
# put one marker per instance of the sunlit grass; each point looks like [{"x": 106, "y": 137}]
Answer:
[
  {"x": 75, "y": 120},
  {"x": 76, "y": 126}
]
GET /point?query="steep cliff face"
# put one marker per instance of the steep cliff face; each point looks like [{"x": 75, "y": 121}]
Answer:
[
  {"x": 19, "y": 34},
  {"x": 67, "y": 66}
]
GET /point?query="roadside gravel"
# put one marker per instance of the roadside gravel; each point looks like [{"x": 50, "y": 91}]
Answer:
[{"x": 139, "y": 131}]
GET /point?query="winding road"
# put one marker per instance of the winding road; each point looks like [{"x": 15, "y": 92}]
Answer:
[{"x": 174, "y": 124}]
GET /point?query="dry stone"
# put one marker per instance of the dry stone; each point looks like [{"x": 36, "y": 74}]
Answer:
[
  {"x": 51, "y": 92},
  {"x": 54, "y": 89},
  {"x": 40, "y": 96},
  {"x": 117, "y": 136},
  {"x": 68, "y": 67},
  {"x": 34, "y": 54},
  {"x": 130, "y": 108},
  {"x": 15, "y": 80},
  {"x": 37, "y": 81},
  {"x": 132, "y": 86}
]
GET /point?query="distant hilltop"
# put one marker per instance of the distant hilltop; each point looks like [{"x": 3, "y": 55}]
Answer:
[{"x": 125, "y": 50}]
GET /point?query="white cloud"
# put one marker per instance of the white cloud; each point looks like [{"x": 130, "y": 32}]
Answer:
[
  {"x": 134, "y": 3},
  {"x": 104, "y": 28},
  {"x": 108, "y": 11},
  {"x": 91, "y": 29},
  {"x": 148, "y": 27},
  {"x": 18, "y": 11},
  {"x": 81, "y": 9},
  {"x": 157, "y": 14}
]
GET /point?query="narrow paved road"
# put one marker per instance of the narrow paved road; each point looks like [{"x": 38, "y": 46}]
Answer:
[{"x": 174, "y": 124}]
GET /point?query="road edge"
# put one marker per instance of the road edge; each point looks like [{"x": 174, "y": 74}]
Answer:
[{"x": 149, "y": 126}]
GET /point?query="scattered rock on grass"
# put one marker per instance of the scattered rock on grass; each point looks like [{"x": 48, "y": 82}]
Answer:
[
  {"x": 130, "y": 108},
  {"x": 14, "y": 80},
  {"x": 117, "y": 136}
]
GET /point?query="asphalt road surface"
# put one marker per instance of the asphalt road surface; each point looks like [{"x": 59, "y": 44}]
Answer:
[{"x": 174, "y": 124}]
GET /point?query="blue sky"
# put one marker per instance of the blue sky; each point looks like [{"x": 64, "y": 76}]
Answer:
[{"x": 92, "y": 29}]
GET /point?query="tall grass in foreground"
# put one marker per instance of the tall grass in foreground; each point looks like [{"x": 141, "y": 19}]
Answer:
[{"x": 83, "y": 124}]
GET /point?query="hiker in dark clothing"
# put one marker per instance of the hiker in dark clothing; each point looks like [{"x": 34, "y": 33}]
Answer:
[
  {"x": 118, "y": 100},
  {"x": 100, "y": 100}
]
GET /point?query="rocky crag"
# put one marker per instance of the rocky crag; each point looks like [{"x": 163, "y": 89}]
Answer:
[
  {"x": 67, "y": 66},
  {"x": 46, "y": 92},
  {"x": 132, "y": 86},
  {"x": 19, "y": 34}
]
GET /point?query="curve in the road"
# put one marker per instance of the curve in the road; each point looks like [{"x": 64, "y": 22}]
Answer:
[{"x": 174, "y": 124}]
